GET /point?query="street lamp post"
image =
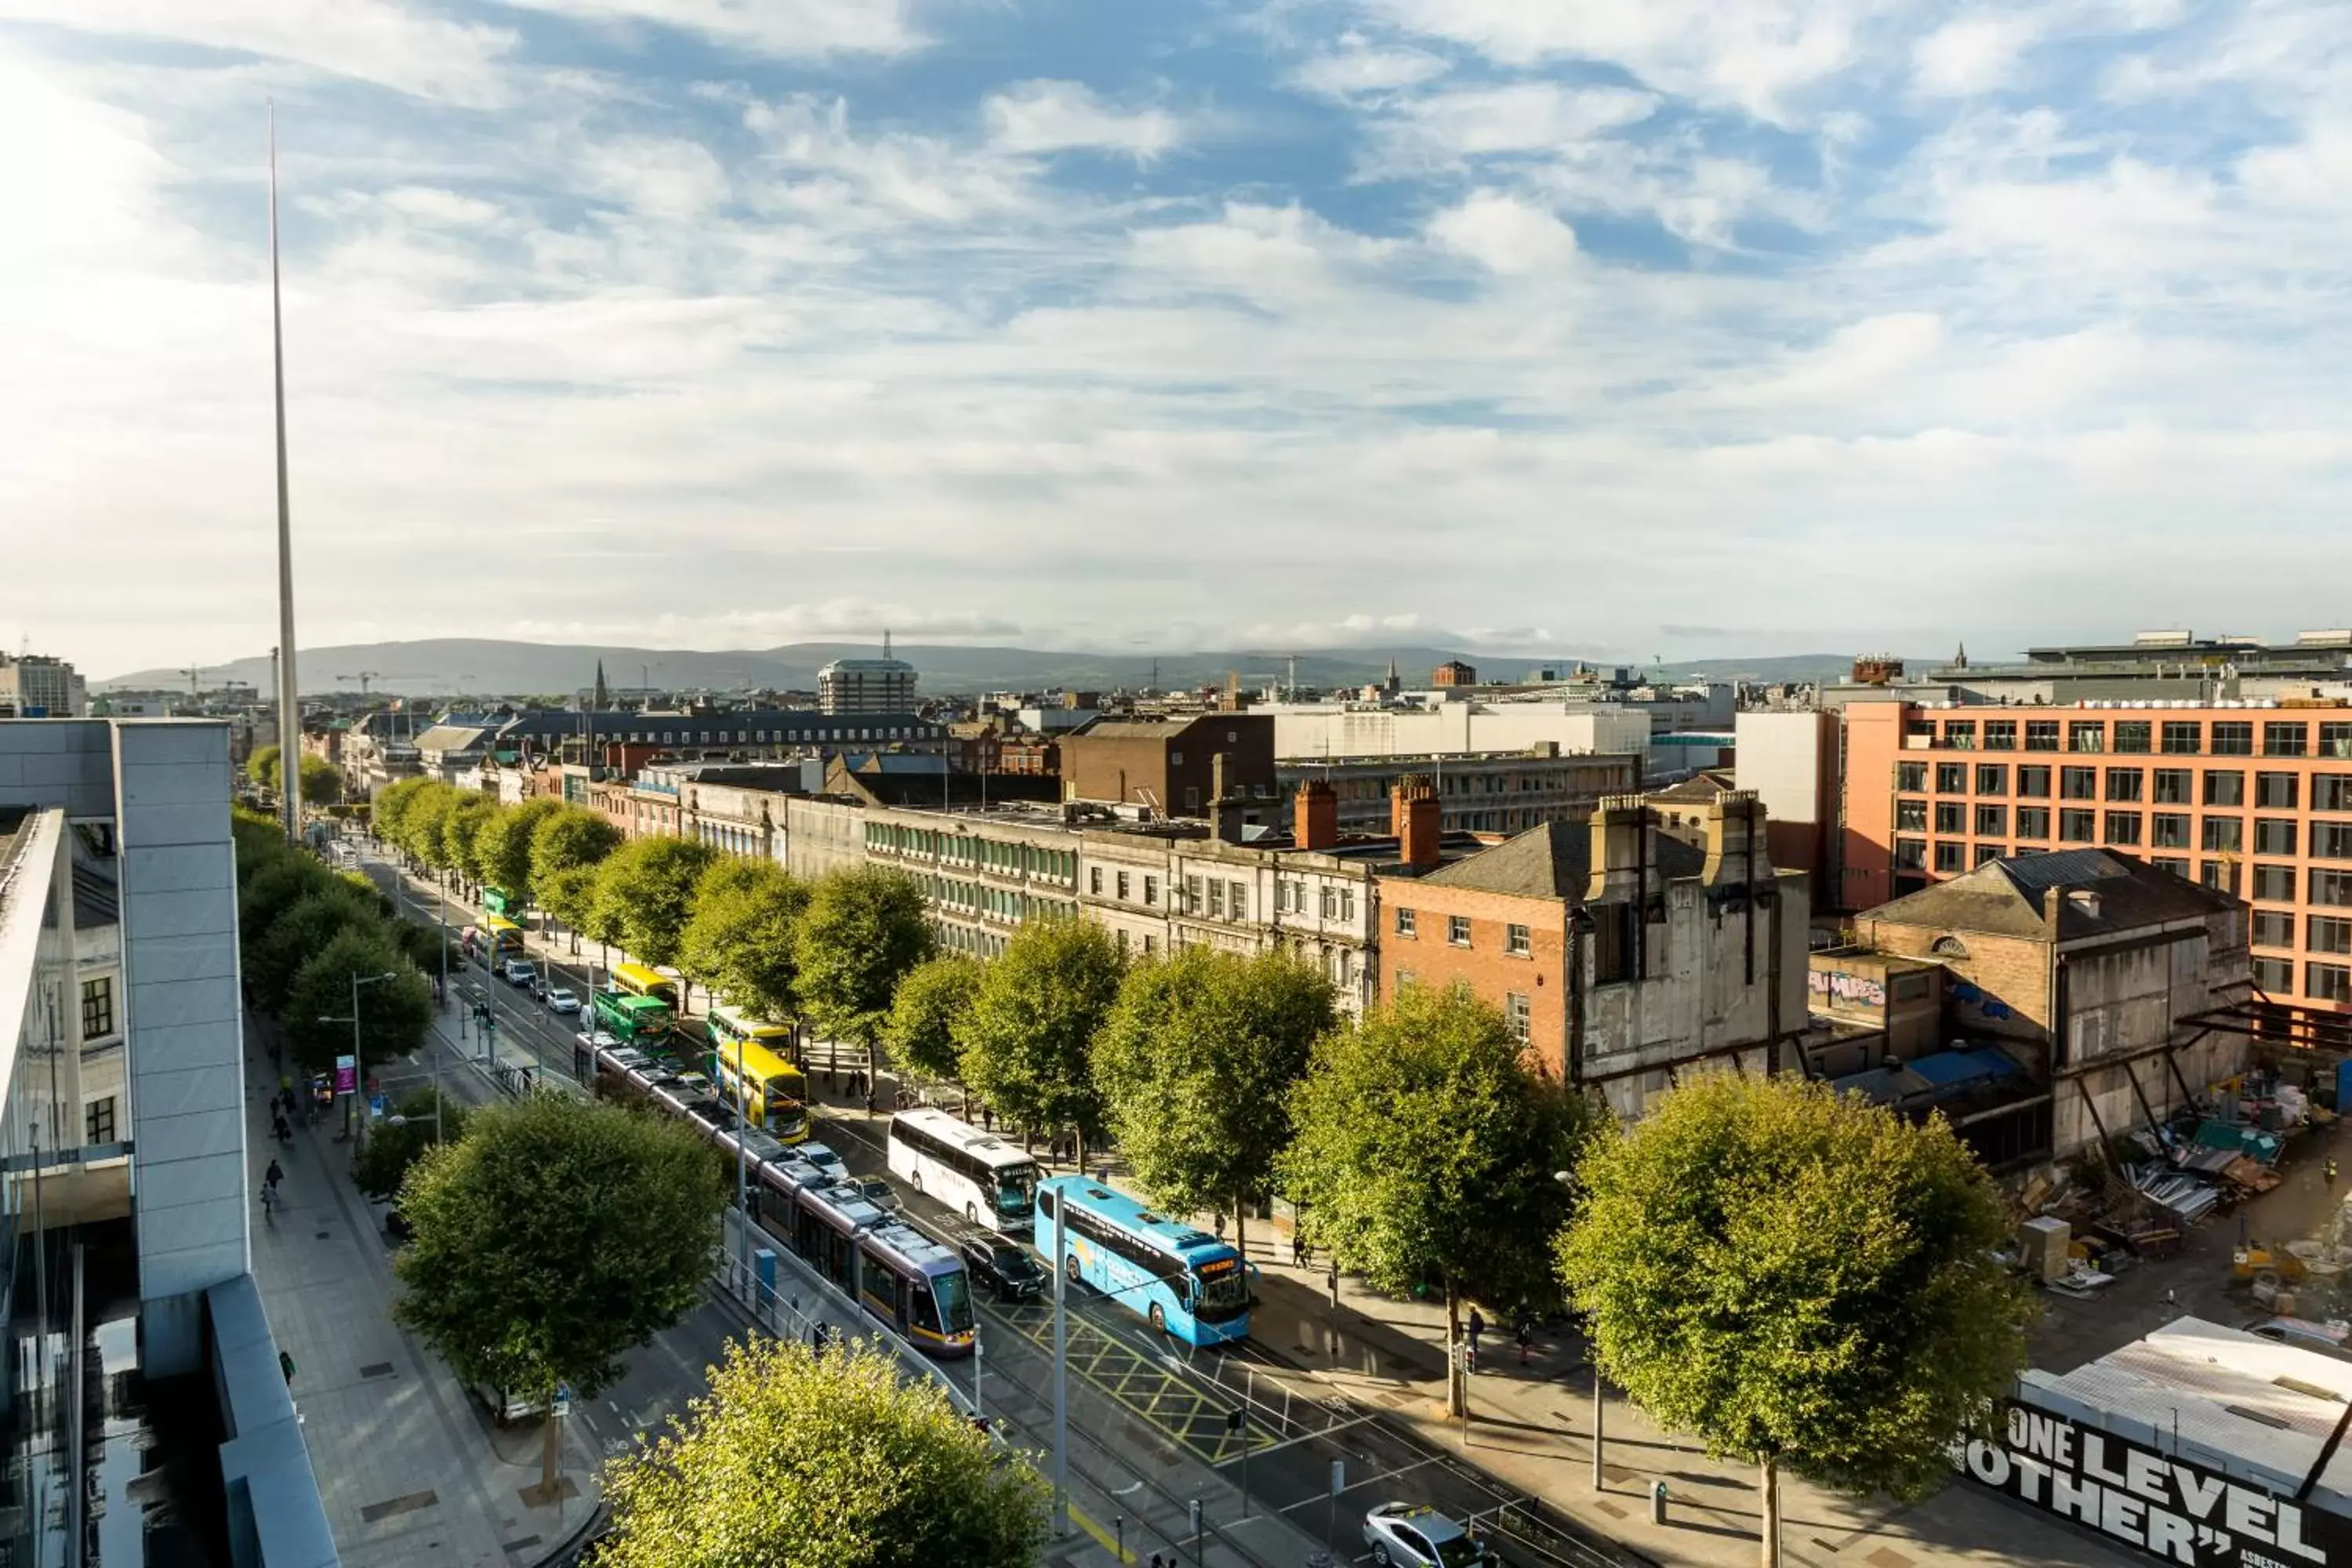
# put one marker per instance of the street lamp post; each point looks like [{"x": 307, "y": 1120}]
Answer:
[{"x": 355, "y": 1122}]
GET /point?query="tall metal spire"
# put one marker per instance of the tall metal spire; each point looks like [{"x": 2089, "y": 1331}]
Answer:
[{"x": 289, "y": 708}]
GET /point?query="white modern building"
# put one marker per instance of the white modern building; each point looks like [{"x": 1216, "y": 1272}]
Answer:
[
  {"x": 866, "y": 686},
  {"x": 1305, "y": 732},
  {"x": 34, "y": 686}
]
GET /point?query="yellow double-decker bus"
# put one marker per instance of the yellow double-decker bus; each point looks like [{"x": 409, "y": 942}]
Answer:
[
  {"x": 639, "y": 980},
  {"x": 747, "y": 1058},
  {"x": 502, "y": 937}
]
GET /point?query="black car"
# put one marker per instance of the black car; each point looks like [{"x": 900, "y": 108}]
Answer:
[{"x": 1002, "y": 1267}]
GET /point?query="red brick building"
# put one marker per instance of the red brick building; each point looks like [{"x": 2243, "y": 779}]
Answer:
[{"x": 1169, "y": 766}]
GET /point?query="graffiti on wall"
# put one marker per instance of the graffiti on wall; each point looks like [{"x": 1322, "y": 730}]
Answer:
[{"x": 1854, "y": 990}]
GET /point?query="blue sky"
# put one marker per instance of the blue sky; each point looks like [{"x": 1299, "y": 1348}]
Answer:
[{"x": 1674, "y": 326}]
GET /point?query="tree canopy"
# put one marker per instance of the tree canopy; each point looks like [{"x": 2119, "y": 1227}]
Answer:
[
  {"x": 461, "y": 834},
  {"x": 570, "y": 839},
  {"x": 504, "y": 844},
  {"x": 863, "y": 929},
  {"x": 792, "y": 1457},
  {"x": 322, "y": 784},
  {"x": 394, "y": 1014},
  {"x": 1197, "y": 1060},
  {"x": 401, "y": 1139},
  {"x": 1798, "y": 1276},
  {"x": 645, "y": 891},
  {"x": 923, "y": 1034},
  {"x": 1028, "y": 1040},
  {"x": 738, "y": 941}
]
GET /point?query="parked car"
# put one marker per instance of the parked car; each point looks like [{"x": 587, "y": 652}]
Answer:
[
  {"x": 2327, "y": 1338},
  {"x": 824, "y": 1160},
  {"x": 507, "y": 1407},
  {"x": 560, "y": 1000},
  {"x": 537, "y": 984},
  {"x": 1004, "y": 1266},
  {"x": 880, "y": 1194},
  {"x": 518, "y": 971},
  {"x": 1414, "y": 1535}
]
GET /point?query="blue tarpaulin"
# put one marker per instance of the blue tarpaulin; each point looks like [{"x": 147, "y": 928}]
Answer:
[{"x": 1948, "y": 1069}]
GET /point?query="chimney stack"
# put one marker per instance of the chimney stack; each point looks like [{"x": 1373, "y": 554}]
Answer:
[
  {"x": 1317, "y": 824},
  {"x": 1621, "y": 849},
  {"x": 1736, "y": 852},
  {"x": 1413, "y": 810},
  {"x": 1224, "y": 815}
]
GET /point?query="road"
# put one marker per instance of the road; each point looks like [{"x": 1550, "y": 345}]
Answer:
[{"x": 1152, "y": 1422}]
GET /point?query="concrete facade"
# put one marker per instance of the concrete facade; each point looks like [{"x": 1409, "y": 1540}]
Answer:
[
  {"x": 1167, "y": 767},
  {"x": 1479, "y": 792},
  {"x": 1310, "y": 733}
]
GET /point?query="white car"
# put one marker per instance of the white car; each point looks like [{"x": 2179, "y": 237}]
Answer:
[
  {"x": 824, "y": 1160},
  {"x": 560, "y": 1000},
  {"x": 1412, "y": 1535}
]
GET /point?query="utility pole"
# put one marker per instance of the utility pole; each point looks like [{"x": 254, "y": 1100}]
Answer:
[
  {"x": 1061, "y": 1367},
  {"x": 290, "y": 707}
]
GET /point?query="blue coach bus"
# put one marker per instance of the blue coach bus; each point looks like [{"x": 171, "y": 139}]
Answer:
[{"x": 1185, "y": 1281}]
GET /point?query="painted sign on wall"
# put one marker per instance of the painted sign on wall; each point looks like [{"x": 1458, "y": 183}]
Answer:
[
  {"x": 2172, "y": 1508},
  {"x": 1854, "y": 990}
]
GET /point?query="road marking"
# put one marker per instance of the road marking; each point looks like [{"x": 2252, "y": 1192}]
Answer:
[
  {"x": 1101, "y": 1535},
  {"x": 1307, "y": 1436}
]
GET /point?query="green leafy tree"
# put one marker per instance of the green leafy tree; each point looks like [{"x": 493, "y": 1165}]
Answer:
[
  {"x": 388, "y": 810},
  {"x": 277, "y": 952},
  {"x": 1197, "y": 1062},
  {"x": 863, "y": 929},
  {"x": 566, "y": 847},
  {"x": 738, "y": 941},
  {"x": 262, "y": 767},
  {"x": 1424, "y": 1153},
  {"x": 322, "y": 784},
  {"x": 503, "y": 845},
  {"x": 1029, "y": 1037},
  {"x": 923, "y": 1033},
  {"x": 393, "y": 1016},
  {"x": 461, "y": 836},
  {"x": 1799, "y": 1278},
  {"x": 792, "y": 1457},
  {"x": 401, "y": 1139},
  {"x": 569, "y": 895},
  {"x": 644, "y": 890},
  {"x": 555, "y": 1235},
  {"x": 422, "y": 824}
]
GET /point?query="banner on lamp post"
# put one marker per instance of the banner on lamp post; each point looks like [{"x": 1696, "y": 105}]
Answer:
[{"x": 347, "y": 1075}]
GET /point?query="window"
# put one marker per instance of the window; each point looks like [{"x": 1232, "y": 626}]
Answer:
[
  {"x": 1191, "y": 896},
  {"x": 2079, "y": 783},
  {"x": 1150, "y": 889},
  {"x": 2274, "y": 884},
  {"x": 1123, "y": 886},
  {"x": 2233, "y": 739},
  {"x": 2327, "y": 933},
  {"x": 2033, "y": 822},
  {"x": 2087, "y": 735},
  {"x": 2274, "y": 927},
  {"x": 2169, "y": 830},
  {"x": 2222, "y": 876},
  {"x": 2274, "y": 791},
  {"x": 2331, "y": 791},
  {"x": 1217, "y": 901},
  {"x": 1515, "y": 1012},
  {"x": 2000, "y": 734},
  {"x": 1911, "y": 816},
  {"x": 1992, "y": 778},
  {"x": 2273, "y": 836},
  {"x": 1094, "y": 880},
  {"x": 2331, "y": 841},
  {"x": 2225, "y": 788},
  {"x": 2182, "y": 737},
  {"x": 1910, "y": 854},
  {"x": 2274, "y": 974},
  {"x": 2033, "y": 781},
  {"x": 2131, "y": 735},
  {"x": 2286, "y": 740},
  {"x": 1960, "y": 734},
  {"x": 1951, "y": 778},
  {"x": 2327, "y": 982},
  {"x": 1992, "y": 822},
  {"x": 2174, "y": 787},
  {"x": 2042, "y": 734},
  {"x": 1404, "y": 923},
  {"x": 1987, "y": 852},
  {"x": 1151, "y": 944},
  {"x": 1238, "y": 900},
  {"x": 1457, "y": 930},
  {"x": 1516, "y": 942},
  {"x": 1404, "y": 981},
  {"x": 2125, "y": 783},
  {"x": 2335, "y": 739},
  {"x": 2224, "y": 834},
  {"x": 1950, "y": 855},
  {"x": 1175, "y": 759},
  {"x": 2078, "y": 827},
  {"x": 1949, "y": 815},
  {"x": 98, "y": 1018},
  {"x": 2123, "y": 827},
  {"x": 1911, "y": 777},
  {"x": 2331, "y": 890},
  {"x": 2176, "y": 865}
]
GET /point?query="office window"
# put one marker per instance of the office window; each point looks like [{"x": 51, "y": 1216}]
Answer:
[
  {"x": 1950, "y": 814},
  {"x": 1951, "y": 778},
  {"x": 1987, "y": 852},
  {"x": 2000, "y": 734},
  {"x": 2176, "y": 865},
  {"x": 2169, "y": 830},
  {"x": 2327, "y": 982},
  {"x": 2174, "y": 787},
  {"x": 2274, "y": 792},
  {"x": 2033, "y": 822},
  {"x": 1237, "y": 899},
  {"x": 2078, "y": 783},
  {"x": 2033, "y": 781},
  {"x": 1457, "y": 930},
  {"x": 1123, "y": 886},
  {"x": 1950, "y": 856},
  {"x": 2273, "y": 976},
  {"x": 2331, "y": 890},
  {"x": 2075, "y": 826},
  {"x": 2222, "y": 876},
  {"x": 1910, "y": 854},
  {"x": 2233, "y": 739},
  {"x": 2286, "y": 740},
  {"x": 2331, "y": 791},
  {"x": 2125, "y": 783},
  {"x": 2123, "y": 827},
  {"x": 1960, "y": 734},
  {"x": 2274, "y": 927},
  {"x": 1992, "y": 822},
  {"x": 2182, "y": 737},
  {"x": 98, "y": 1009},
  {"x": 1992, "y": 778},
  {"x": 2335, "y": 739},
  {"x": 2132, "y": 735},
  {"x": 2087, "y": 735},
  {"x": 1516, "y": 942},
  {"x": 2273, "y": 836},
  {"x": 1911, "y": 777},
  {"x": 2331, "y": 841},
  {"x": 1911, "y": 816},
  {"x": 2042, "y": 734},
  {"x": 2225, "y": 834},
  {"x": 2327, "y": 933},
  {"x": 98, "y": 1121},
  {"x": 2224, "y": 788},
  {"x": 2274, "y": 884}
]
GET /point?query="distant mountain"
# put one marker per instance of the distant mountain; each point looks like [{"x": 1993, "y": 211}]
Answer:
[{"x": 491, "y": 667}]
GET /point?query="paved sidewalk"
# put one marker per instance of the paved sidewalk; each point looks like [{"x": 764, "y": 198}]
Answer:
[{"x": 410, "y": 1468}]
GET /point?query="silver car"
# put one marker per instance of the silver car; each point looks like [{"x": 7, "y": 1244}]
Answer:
[{"x": 1412, "y": 1535}]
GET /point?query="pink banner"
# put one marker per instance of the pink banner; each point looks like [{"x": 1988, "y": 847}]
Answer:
[{"x": 347, "y": 1075}]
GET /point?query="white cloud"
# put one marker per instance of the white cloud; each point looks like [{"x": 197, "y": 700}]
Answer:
[
  {"x": 1358, "y": 70},
  {"x": 792, "y": 29},
  {"x": 1972, "y": 54},
  {"x": 1445, "y": 128},
  {"x": 1065, "y": 116},
  {"x": 1503, "y": 234},
  {"x": 660, "y": 176},
  {"x": 442, "y": 208}
]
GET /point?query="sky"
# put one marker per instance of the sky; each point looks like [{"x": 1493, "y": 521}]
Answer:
[{"x": 1608, "y": 326}]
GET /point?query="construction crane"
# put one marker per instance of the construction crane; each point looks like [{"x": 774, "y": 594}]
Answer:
[
  {"x": 195, "y": 674},
  {"x": 365, "y": 676}
]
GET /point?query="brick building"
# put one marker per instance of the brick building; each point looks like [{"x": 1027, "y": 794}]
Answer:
[
  {"x": 1168, "y": 767},
  {"x": 1477, "y": 792},
  {"x": 1453, "y": 672}
]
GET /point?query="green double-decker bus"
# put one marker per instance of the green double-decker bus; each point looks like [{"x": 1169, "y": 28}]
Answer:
[{"x": 644, "y": 1022}]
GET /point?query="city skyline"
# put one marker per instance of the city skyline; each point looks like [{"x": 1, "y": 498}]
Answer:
[{"x": 1305, "y": 324}]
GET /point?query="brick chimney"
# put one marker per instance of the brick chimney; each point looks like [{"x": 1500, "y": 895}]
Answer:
[
  {"x": 1622, "y": 851},
  {"x": 1413, "y": 809},
  {"x": 1736, "y": 852},
  {"x": 1318, "y": 821},
  {"x": 1224, "y": 814}
]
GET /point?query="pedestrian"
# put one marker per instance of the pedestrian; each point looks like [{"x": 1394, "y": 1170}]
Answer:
[
  {"x": 1297, "y": 1249},
  {"x": 988, "y": 1119},
  {"x": 2331, "y": 1172},
  {"x": 281, "y": 1128},
  {"x": 286, "y": 1366},
  {"x": 272, "y": 1176},
  {"x": 1526, "y": 1341},
  {"x": 1221, "y": 1224}
]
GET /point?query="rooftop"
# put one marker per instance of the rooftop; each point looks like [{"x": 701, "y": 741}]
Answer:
[
  {"x": 2004, "y": 897},
  {"x": 1554, "y": 860}
]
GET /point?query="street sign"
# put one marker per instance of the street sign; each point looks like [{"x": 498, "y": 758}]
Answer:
[
  {"x": 376, "y": 1105},
  {"x": 1338, "y": 1477}
]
